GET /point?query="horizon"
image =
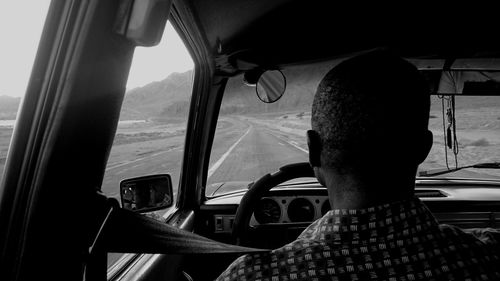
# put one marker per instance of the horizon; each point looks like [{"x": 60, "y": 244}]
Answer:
[{"x": 127, "y": 89}]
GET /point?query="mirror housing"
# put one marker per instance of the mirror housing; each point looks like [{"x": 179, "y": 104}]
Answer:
[
  {"x": 146, "y": 194},
  {"x": 142, "y": 21}
]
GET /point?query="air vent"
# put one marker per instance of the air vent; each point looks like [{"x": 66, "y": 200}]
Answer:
[{"x": 429, "y": 193}]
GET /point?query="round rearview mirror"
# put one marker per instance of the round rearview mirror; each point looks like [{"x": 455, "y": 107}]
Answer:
[{"x": 271, "y": 86}]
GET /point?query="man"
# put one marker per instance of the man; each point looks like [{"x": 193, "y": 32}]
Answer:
[{"x": 369, "y": 134}]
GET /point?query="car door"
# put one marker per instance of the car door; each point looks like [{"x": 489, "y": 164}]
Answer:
[{"x": 51, "y": 208}]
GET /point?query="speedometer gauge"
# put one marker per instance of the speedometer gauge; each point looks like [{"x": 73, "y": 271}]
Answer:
[
  {"x": 301, "y": 210},
  {"x": 267, "y": 211}
]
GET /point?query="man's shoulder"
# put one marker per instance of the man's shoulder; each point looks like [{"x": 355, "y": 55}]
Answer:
[
  {"x": 256, "y": 265},
  {"x": 297, "y": 247}
]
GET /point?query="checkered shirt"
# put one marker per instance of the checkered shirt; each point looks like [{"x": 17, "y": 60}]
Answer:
[{"x": 397, "y": 241}]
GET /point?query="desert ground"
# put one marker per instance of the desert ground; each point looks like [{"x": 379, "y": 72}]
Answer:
[
  {"x": 478, "y": 135},
  {"x": 247, "y": 147}
]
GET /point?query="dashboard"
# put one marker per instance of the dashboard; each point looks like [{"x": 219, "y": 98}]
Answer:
[
  {"x": 288, "y": 208},
  {"x": 285, "y": 211}
]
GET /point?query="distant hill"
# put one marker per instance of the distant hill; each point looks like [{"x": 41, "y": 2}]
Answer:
[
  {"x": 154, "y": 99},
  {"x": 8, "y": 107},
  {"x": 170, "y": 97},
  {"x": 301, "y": 85}
]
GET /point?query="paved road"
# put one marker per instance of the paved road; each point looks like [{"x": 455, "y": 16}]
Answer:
[
  {"x": 259, "y": 151},
  {"x": 242, "y": 151}
]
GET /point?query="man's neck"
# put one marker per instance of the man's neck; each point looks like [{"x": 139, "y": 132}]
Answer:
[{"x": 348, "y": 192}]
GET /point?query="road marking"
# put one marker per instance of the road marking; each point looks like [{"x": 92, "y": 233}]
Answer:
[
  {"x": 292, "y": 143},
  {"x": 217, "y": 164},
  {"x": 139, "y": 159},
  {"x": 156, "y": 154},
  {"x": 140, "y": 164}
]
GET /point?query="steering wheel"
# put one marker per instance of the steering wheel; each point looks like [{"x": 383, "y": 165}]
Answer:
[{"x": 249, "y": 201}]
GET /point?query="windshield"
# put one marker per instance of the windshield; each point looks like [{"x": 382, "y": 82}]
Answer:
[
  {"x": 254, "y": 138},
  {"x": 477, "y": 134}
]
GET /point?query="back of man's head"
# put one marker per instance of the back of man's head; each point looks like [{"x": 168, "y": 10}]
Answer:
[{"x": 371, "y": 113}]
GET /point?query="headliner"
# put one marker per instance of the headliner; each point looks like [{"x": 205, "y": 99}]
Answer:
[{"x": 245, "y": 34}]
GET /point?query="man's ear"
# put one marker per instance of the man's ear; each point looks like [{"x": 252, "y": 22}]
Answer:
[
  {"x": 314, "y": 144},
  {"x": 425, "y": 146}
]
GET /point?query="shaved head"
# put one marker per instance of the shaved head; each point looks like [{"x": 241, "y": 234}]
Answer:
[{"x": 370, "y": 109}]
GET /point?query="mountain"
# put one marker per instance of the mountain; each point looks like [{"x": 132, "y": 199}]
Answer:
[
  {"x": 170, "y": 97},
  {"x": 8, "y": 107},
  {"x": 302, "y": 82},
  {"x": 154, "y": 99}
]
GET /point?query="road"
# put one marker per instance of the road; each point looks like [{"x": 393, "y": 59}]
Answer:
[
  {"x": 242, "y": 151},
  {"x": 259, "y": 150}
]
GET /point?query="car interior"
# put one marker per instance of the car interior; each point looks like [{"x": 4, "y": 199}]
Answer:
[{"x": 57, "y": 224}]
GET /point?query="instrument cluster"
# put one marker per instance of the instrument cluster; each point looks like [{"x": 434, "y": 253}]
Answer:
[{"x": 290, "y": 209}]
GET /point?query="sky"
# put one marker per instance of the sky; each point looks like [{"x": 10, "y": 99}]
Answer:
[
  {"x": 21, "y": 23},
  {"x": 156, "y": 63}
]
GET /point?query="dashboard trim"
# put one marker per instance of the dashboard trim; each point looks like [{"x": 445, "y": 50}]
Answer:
[{"x": 474, "y": 202}]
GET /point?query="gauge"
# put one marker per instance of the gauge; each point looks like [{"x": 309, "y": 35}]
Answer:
[
  {"x": 325, "y": 207},
  {"x": 267, "y": 211},
  {"x": 300, "y": 210}
]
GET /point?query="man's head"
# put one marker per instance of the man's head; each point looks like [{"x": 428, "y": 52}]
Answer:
[{"x": 370, "y": 115}]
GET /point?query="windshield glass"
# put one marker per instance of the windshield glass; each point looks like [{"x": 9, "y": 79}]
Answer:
[
  {"x": 477, "y": 134},
  {"x": 254, "y": 138}
]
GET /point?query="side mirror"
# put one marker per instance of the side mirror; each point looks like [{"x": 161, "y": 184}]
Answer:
[{"x": 146, "y": 194}]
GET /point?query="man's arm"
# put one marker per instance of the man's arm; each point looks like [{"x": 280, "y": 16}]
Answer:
[{"x": 486, "y": 235}]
